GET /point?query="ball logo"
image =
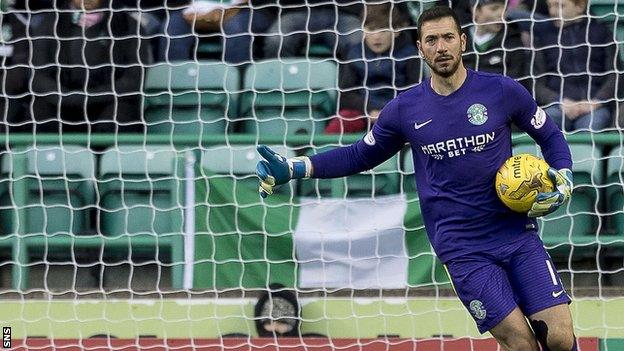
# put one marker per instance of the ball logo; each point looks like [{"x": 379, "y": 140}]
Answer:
[
  {"x": 476, "y": 307},
  {"x": 477, "y": 114},
  {"x": 539, "y": 118}
]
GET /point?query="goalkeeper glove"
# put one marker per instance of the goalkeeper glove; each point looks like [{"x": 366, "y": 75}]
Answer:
[
  {"x": 276, "y": 170},
  {"x": 546, "y": 203}
]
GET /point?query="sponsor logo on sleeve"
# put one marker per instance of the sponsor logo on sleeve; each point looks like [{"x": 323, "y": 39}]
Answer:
[
  {"x": 369, "y": 138},
  {"x": 539, "y": 118}
]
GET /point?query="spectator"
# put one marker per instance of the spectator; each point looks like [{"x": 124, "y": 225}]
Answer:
[
  {"x": 14, "y": 56},
  {"x": 375, "y": 71},
  {"x": 574, "y": 66},
  {"x": 301, "y": 23},
  {"x": 239, "y": 32},
  {"x": 494, "y": 45},
  {"x": 88, "y": 69}
]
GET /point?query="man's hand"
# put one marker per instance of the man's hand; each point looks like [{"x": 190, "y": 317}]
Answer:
[
  {"x": 546, "y": 203},
  {"x": 276, "y": 170}
]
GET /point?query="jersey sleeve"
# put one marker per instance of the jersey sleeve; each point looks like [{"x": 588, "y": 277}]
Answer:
[
  {"x": 534, "y": 121},
  {"x": 378, "y": 145}
]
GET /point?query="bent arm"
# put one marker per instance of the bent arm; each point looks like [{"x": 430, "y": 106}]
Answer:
[{"x": 533, "y": 120}]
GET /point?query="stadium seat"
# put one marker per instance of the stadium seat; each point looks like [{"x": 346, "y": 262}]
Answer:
[
  {"x": 53, "y": 185},
  {"x": 577, "y": 223},
  {"x": 615, "y": 190},
  {"x": 190, "y": 97},
  {"x": 382, "y": 180},
  {"x": 288, "y": 97},
  {"x": 48, "y": 197},
  {"x": 140, "y": 200}
]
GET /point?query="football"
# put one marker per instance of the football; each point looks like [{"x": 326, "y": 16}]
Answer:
[{"x": 520, "y": 179}]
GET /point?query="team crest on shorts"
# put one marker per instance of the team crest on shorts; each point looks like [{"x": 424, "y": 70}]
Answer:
[
  {"x": 477, "y": 310},
  {"x": 477, "y": 114}
]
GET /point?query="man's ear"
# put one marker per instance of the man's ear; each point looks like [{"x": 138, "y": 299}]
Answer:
[
  {"x": 419, "y": 49},
  {"x": 463, "y": 40}
]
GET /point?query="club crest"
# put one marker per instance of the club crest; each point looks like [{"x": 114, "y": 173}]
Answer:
[
  {"x": 476, "y": 307},
  {"x": 477, "y": 114}
]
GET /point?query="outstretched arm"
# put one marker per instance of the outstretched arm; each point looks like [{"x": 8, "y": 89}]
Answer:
[{"x": 385, "y": 140}]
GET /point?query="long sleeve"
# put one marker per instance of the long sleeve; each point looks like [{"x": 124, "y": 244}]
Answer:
[
  {"x": 351, "y": 92},
  {"x": 46, "y": 70},
  {"x": 383, "y": 141},
  {"x": 533, "y": 120},
  {"x": 543, "y": 94},
  {"x": 606, "y": 92}
]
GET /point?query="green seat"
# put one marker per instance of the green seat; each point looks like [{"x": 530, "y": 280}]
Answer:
[
  {"x": 190, "y": 97},
  {"x": 615, "y": 190},
  {"x": 140, "y": 196},
  {"x": 381, "y": 180},
  {"x": 288, "y": 97},
  {"x": 576, "y": 225},
  {"x": 53, "y": 186},
  {"x": 48, "y": 193}
]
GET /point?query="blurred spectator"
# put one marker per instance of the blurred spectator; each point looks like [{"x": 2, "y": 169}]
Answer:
[
  {"x": 14, "y": 57},
  {"x": 240, "y": 31},
  {"x": 301, "y": 23},
  {"x": 375, "y": 71},
  {"x": 89, "y": 78},
  {"x": 88, "y": 69},
  {"x": 520, "y": 8},
  {"x": 574, "y": 67},
  {"x": 493, "y": 44}
]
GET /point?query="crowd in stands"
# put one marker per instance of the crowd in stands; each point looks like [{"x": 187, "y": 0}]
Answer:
[{"x": 78, "y": 65}]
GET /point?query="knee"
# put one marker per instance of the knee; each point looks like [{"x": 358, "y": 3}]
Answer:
[
  {"x": 519, "y": 343},
  {"x": 560, "y": 342}
]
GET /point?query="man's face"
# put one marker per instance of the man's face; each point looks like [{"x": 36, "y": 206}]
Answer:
[
  {"x": 564, "y": 9},
  {"x": 87, "y": 4},
  {"x": 490, "y": 17},
  {"x": 441, "y": 45},
  {"x": 378, "y": 40}
]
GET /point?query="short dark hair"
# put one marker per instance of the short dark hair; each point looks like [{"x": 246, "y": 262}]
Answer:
[
  {"x": 435, "y": 13},
  {"x": 381, "y": 16}
]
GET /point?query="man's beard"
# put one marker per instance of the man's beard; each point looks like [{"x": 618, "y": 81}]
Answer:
[{"x": 446, "y": 71}]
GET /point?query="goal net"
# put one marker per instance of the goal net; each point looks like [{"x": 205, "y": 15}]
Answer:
[{"x": 129, "y": 209}]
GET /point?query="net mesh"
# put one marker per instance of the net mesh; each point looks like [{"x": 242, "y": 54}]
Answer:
[{"x": 129, "y": 150}]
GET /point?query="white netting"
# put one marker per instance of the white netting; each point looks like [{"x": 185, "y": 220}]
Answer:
[{"x": 128, "y": 164}]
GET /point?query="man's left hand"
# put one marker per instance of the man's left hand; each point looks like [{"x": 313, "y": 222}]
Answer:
[{"x": 546, "y": 203}]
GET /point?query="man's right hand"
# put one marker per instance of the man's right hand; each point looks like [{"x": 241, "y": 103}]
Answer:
[{"x": 275, "y": 169}]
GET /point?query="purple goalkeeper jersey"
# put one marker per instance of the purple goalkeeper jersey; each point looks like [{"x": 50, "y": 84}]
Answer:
[{"x": 458, "y": 143}]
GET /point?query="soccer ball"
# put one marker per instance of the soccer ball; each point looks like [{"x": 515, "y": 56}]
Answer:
[{"x": 520, "y": 179}]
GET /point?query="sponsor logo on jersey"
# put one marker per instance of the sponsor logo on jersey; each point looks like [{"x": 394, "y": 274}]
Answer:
[
  {"x": 369, "y": 138},
  {"x": 458, "y": 146},
  {"x": 539, "y": 118},
  {"x": 420, "y": 125},
  {"x": 477, "y": 114},
  {"x": 557, "y": 294},
  {"x": 477, "y": 310}
]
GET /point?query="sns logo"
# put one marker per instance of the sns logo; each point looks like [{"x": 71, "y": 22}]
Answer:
[
  {"x": 539, "y": 118},
  {"x": 476, "y": 307}
]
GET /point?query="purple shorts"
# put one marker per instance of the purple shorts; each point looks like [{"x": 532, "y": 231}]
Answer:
[{"x": 491, "y": 284}]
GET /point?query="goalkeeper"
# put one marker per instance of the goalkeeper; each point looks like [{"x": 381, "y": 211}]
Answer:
[{"x": 458, "y": 125}]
